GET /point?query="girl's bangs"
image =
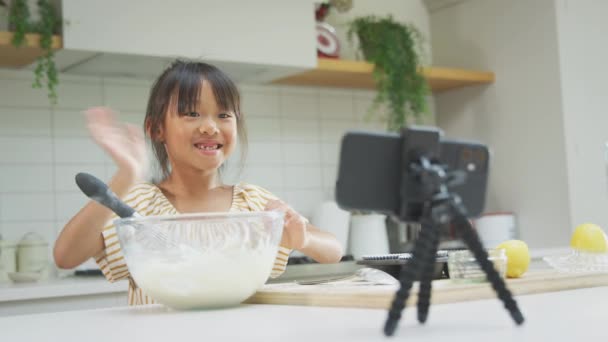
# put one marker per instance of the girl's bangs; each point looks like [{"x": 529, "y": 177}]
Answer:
[{"x": 188, "y": 93}]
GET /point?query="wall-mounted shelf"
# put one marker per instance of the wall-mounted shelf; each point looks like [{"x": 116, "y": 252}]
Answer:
[
  {"x": 355, "y": 74},
  {"x": 12, "y": 57}
]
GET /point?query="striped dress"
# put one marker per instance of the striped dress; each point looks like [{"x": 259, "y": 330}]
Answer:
[{"x": 148, "y": 199}]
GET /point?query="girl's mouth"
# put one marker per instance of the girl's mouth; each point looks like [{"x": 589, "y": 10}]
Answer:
[{"x": 208, "y": 147}]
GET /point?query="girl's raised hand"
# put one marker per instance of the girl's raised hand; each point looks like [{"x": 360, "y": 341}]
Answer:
[
  {"x": 295, "y": 233},
  {"x": 123, "y": 142}
]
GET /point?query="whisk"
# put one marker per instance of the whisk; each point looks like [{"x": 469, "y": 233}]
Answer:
[{"x": 98, "y": 191}]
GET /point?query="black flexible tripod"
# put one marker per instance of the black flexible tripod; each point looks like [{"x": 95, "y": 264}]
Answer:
[{"x": 440, "y": 207}]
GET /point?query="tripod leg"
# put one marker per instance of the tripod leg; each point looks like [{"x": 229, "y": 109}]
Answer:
[
  {"x": 471, "y": 238},
  {"x": 406, "y": 278},
  {"x": 426, "y": 277}
]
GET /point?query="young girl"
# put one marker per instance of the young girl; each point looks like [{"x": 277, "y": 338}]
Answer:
[{"x": 192, "y": 120}]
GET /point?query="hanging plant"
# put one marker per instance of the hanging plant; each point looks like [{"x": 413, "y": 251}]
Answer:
[
  {"x": 18, "y": 20},
  {"x": 47, "y": 26},
  {"x": 46, "y": 69},
  {"x": 393, "y": 49}
]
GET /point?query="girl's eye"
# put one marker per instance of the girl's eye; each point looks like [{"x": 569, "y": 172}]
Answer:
[
  {"x": 224, "y": 115},
  {"x": 192, "y": 114}
]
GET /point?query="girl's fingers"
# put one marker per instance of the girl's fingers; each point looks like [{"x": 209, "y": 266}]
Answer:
[
  {"x": 275, "y": 205},
  {"x": 134, "y": 132},
  {"x": 135, "y": 138},
  {"x": 101, "y": 115}
]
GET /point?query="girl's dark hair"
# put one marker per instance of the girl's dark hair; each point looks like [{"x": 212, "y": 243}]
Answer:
[{"x": 184, "y": 79}]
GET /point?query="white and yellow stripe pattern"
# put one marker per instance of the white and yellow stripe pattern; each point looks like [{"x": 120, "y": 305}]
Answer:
[{"x": 147, "y": 199}]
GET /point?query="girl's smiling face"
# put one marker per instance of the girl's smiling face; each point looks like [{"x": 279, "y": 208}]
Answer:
[{"x": 203, "y": 136}]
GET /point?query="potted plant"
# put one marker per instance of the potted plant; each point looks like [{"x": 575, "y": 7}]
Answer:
[
  {"x": 393, "y": 48},
  {"x": 46, "y": 26}
]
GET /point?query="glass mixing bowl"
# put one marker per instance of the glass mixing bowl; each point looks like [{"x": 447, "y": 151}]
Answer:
[{"x": 197, "y": 261}]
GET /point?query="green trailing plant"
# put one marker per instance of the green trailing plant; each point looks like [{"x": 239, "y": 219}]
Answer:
[
  {"x": 393, "y": 49},
  {"x": 47, "y": 26},
  {"x": 46, "y": 69},
  {"x": 18, "y": 20}
]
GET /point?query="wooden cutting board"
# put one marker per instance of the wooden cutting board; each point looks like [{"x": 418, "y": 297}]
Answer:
[{"x": 349, "y": 294}]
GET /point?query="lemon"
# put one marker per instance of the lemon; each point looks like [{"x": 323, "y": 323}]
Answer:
[
  {"x": 518, "y": 257},
  {"x": 589, "y": 237}
]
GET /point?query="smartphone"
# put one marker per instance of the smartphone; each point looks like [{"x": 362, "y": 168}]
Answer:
[{"x": 373, "y": 172}]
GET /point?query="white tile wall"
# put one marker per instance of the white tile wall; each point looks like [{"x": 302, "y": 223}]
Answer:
[
  {"x": 260, "y": 129},
  {"x": 14, "y": 231},
  {"x": 79, "y": 94},
  {"x": 26, "y": 206},
  {"x": 334, "y": 104},
  {"x": 264, "y": 153},
  {"x": 68, "y": 204},
  {"x": 304, "y": 153},
  {"x": 64, "y": 175},
  {"x": 35, "y": 122},
  {"x": 300, "y": 130},
  {"x": 25, "y": 149},
  {"x": 18, "y": 92},
  {"x": 260, "y": 101},
  {"x": 294, "y": 135},
  {"x": 21, "y": 178},
  {"x": 302, "y": 177},
  {"x": 69, "y": 123},
  {"x": 126, "y": 95}
]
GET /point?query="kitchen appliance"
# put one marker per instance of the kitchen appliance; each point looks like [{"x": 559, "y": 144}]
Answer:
[
  {"x": 417, "y": 176},
  {"x": 368, "y": 235},
  {"x": 495, "y": 228},
  {"x": 331, "y": 218}
]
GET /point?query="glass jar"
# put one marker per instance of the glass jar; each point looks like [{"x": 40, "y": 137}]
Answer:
[{"x": 463, "y": 266}]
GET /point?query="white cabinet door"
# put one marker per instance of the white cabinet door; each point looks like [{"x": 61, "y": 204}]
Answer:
[{"x": 240, "y": 34}]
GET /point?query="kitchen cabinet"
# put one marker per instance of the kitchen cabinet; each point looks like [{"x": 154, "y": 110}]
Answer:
[
  {"x": 270, "y": 41},
  {"x": 484, "y": 320},
  {"x": 252, "y": 40}
]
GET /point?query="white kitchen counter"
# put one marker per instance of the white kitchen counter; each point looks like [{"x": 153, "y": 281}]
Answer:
[
  {"x": 93, "y": 292},
  {"x": 60, "y": 287},
  {"x": 61, "y": 294},
  {"x": 96, "y": 285},
  {"x": 560, "y": 316},
  {"x": 93, "y": 285}
]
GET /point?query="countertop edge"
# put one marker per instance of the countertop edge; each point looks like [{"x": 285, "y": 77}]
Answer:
[{"x": 61, "y": 287}]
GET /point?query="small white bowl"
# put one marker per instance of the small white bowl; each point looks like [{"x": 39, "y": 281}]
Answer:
[{"x": 24, "y": 277}]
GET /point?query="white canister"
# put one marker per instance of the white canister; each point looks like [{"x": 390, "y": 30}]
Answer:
[
  {"x": 32, "y": 253},
  {"x": 368, "y": 235},
  {"x": 495, "y": 228},
  {"x": 8, "y": 259},
  {"x": 329, "y": 217}
]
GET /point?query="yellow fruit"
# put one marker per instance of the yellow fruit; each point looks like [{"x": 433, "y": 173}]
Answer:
[
  {"x": 589, "y": 237},
  {"x": 518, "y": 257}
]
